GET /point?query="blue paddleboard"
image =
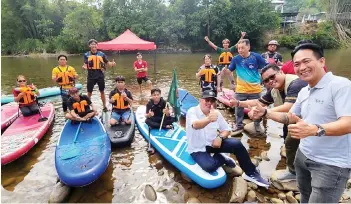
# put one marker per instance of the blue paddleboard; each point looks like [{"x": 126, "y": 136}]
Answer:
[
  {"x": 82, "y": 162},
  {"x": 186, "y": 101},
  {"x": 172, "y": 145},
  {"x": 45, "y": 92}
]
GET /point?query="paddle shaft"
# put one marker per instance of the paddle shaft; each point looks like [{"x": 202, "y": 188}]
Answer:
[
  {"x": 163, "y": 117},
  {"x": 42, "y": 118},
  {"x": 76, "y": 136}
]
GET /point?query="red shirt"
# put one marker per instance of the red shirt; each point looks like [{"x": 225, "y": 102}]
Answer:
[
  {"x": 288, "y": 67},
  {"x": 138, "y": 65},
  {"x": 15, "y": 94}
]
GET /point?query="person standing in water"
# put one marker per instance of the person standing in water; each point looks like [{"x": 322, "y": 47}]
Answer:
[
  {"x": 225, "y": 56},
  {"x": 95, "y": 62},
  {"x": 140, "y": 68}
]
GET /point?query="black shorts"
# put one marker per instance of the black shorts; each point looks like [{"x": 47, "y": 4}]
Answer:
[
  {"x": 29, "y": 110},
  {"x": 91, "y": 83},
  {"x": 140, "y": 80}
]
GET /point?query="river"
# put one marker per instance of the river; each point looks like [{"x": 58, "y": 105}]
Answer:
[{"x": 32, "y": 177}]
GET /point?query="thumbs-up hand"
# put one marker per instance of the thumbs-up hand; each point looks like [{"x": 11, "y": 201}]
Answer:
[
  {"x": 243, "y": 34},
  {"x": 301, "y": 129},
  {"x": 257, "y": 112},
  {"x": 151, "y": 113},
  {"x": 213, "y": 116},
  {"x": 206, "y": 38}
]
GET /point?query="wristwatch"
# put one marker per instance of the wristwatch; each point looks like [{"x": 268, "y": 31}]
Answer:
[{"x": 320, "y": 131}]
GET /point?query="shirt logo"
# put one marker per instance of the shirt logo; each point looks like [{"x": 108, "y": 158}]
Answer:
[
  {"x": 251, "y": 66},
  {"x": 319, "y": 101}
]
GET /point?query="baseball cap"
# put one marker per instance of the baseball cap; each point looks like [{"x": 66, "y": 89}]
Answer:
[
  {"x": 91, "y": 41},
  {"x": 120, "y": 78},
  {"x": 73, "y": 90},
  {"x": 273, "y": 42},
  {"x": 138, "y": 53},
  {"x": 208, "y": 94}
]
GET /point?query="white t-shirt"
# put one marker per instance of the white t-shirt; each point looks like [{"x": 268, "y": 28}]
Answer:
[{"x": 199, "y": 139}]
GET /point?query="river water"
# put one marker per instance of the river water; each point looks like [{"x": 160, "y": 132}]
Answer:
[{"x": 32, "y": 177}]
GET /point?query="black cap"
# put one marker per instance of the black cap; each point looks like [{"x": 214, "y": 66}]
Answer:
[
  {"x": 91, "y": 41},
  {"x": 208, "y": 94},
  {"x": 120, "y": 78}
]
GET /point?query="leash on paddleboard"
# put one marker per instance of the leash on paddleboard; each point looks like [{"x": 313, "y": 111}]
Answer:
[{"x": 42, "y": 118}]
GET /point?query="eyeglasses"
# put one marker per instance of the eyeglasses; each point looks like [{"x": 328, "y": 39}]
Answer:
[
  {"x": 270, "y": 78},
  {"x": 211, "y": 100},
  {"x": 21, "y": 80}
]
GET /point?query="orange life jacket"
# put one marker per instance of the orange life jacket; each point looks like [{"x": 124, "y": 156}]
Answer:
[
  {"x": 95, "y": 62},
  {"x": 208, "y": 75},
  {"x": 64, "y": 78},
  {"x": 80, "y": 106},
  {"x": 28, "y": 97},
  {"x": 225, "y": 58},
  {"x": 120, "y": 103}
]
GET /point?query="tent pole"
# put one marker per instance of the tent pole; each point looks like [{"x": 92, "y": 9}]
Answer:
[{"x": 155, "y": 69}]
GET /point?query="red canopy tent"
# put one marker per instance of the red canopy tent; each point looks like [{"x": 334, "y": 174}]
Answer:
[{"x": 128, "y": 41}]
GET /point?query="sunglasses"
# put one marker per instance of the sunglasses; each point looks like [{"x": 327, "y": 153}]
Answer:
[
  {"x": 21, "y": 81},
  {"x": 270, "y": 78},
  {"x": 211, "y": 100}
]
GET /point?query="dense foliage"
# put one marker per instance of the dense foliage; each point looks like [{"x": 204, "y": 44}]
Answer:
[{"x": 54, "y": 25}]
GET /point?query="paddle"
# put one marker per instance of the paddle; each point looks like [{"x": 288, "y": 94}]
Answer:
[
  {"x": 150, "y": 149},
  {"x": 183, "y": 98},
  {"x": 76, "y": 135},
  {"x": 163, "y": 117}
]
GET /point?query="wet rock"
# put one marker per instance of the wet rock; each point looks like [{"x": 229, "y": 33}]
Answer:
[
  {"x": 161, "y": 189},
  {"x": 160, "y": 173},
  {"x": 283, "y": 151},
  {"x": 251, "y": 196},
  {"x": 186, "y": 178},
  {"x": 252, "y": 185},
  {"x": 282, "y": 196},
  {"x": 159, "y": 164},
  {"x": 193, "y": 200},
  {"x": 8, "y": 181},
  {"x": 348, "y": 185},
  {"x": 100, "y": 193},
  {"x": 150, "y": 193},
  {"x": 59, "y": 193},
  {"x": 175, "y": 188},
  {"x": 209, "y": 195},
  {"x": 186, "y": 196},
  {"x": 236, "y": 133},
  {"x": 260, "y": 198},
  {"x": 236, "y": 171},
  {"x": 298, "y": 197},
  {"x": 258, "y": 158},
  {"x": 276, "y": 200},
  {"x": 171, "y": 175},
  {"x": 247, "y": 121},
  {"x": 187, "y": 186},
  {"x": 255, "y": 162},
  {"x": 264, "y": 156},
  {"x": 291, "y": 199},
  {"x": 250, "y": 129},
  {"x": 290, "y": 193},
  {"x": 238, "y": 191},
  {"x": 285, "y": 185}
]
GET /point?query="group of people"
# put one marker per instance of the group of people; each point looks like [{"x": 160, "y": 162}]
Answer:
[{"x": 311, "y": 103}]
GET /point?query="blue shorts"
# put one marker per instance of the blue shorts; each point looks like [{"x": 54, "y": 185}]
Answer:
[{"x": 117, "y": 115}]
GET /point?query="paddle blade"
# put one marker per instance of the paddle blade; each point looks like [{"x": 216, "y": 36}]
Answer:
[
  {"x": 70, "y": 153},
  {"x": 42, "y": 119}
]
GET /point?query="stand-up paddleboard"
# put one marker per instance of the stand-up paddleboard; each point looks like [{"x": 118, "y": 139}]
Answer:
[
  {"x": 172, "y": 145},
  {"x": 24, "y": 133},
  {"x": 186, "y": 101},
  {"x": 45, "y": 92},
  {"x": 9, "y": 113},
  {"x": 120, "y": 135},
  {"x": 226, "y": 95},
  {"x": 83, "y": 153}
]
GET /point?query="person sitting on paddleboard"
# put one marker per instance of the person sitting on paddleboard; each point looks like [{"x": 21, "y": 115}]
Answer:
[
  {"x": 80, "y": 106},
  {"x": 155, "y": 109},
  {"x": 272, "y": 56},
  {"x": 140, "y": 67},
  {"x": 65, "y": 76},
  {"x": 25, "y": 95},
  {"x": 225, "y": 56},
  {"x": 202, "y": 125},
  {"x": 120, "y": 98},
  {"x": 208, "y": 75}
]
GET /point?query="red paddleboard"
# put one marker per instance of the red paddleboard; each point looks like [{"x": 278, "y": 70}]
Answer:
[
  {"x": 9, "y": 113},
  {"x": 24, "y": 133},
  {"x": 226, "y": 95}
]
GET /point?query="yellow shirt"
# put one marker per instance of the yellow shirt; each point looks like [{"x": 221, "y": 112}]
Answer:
[{"x": 69, "y": 71}]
